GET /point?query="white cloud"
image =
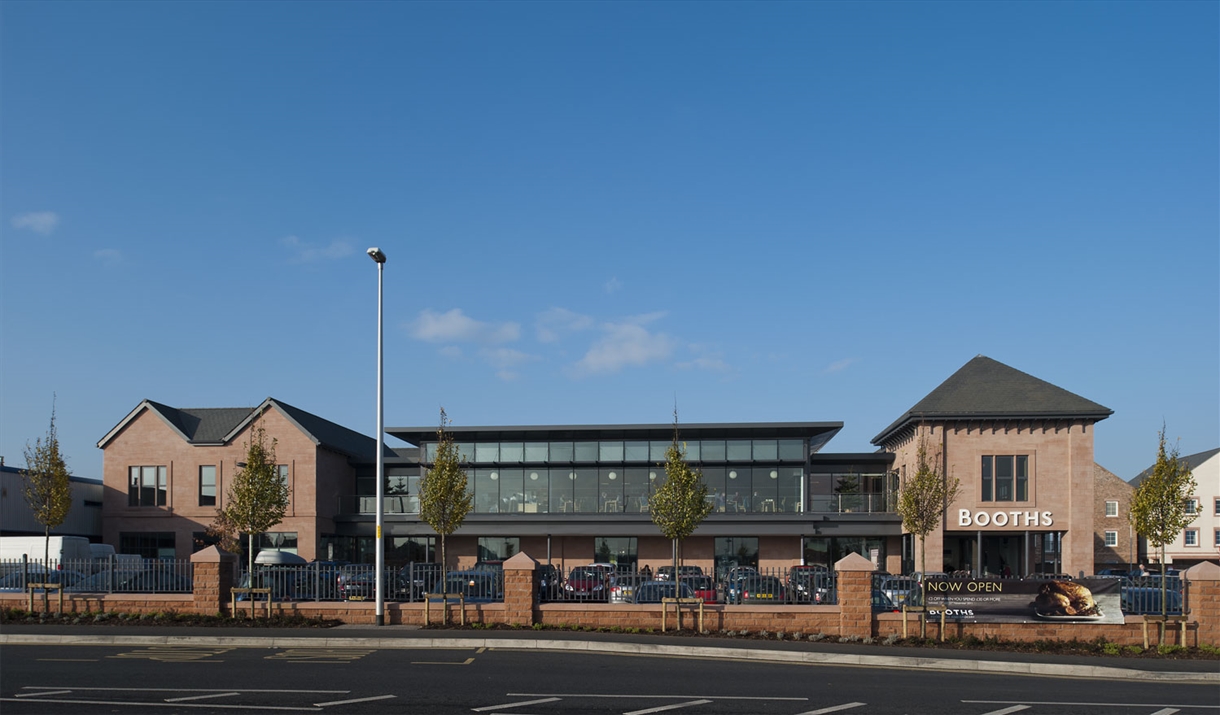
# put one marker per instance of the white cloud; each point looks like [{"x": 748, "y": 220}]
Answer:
[
  {"x": 108, "y": 256},
  {"x": 43, "y": 222},
  {"x": 612, "y": 285},
  {"x": 552, "y": 323},
  {"x": 505, "y": 360},
  {"x": 309, "y": 253},
  {"x": 838, "y": 366},
  {"x": 454, "y": 326},
  {"x": 625, "y": 344}
]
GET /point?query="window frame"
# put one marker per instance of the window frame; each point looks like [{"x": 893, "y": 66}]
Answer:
[
  {"x": 215, "y": 486},
  {"x": 1186, "y": 538},
  {"x": 1111, "y": 539},
  {"x": 1108, "y": 503},
  {"x": 137, "y": 489}
]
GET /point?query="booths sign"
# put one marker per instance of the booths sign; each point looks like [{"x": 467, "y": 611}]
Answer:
[{"x": 1015, "y": 517}]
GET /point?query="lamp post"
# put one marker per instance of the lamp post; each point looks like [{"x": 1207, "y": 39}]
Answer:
[{"x": 379, "y": 258}]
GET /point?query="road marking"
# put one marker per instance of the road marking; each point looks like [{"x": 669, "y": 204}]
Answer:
[
  {"x": 834, "y": 709},
  {"x": 468, "y": 661},
  {"x": 1005, "y": 711},
  {"x": 356, "y": 700},
  {"x": 481, "y": 650},
  {"x": 170, "y": 654},
  {"x": 201, "y": 697},
  {"x": 67, "y": 660},
  {"x": 320, "y": 655},
  {"x": 38, "y": 695},
  {"x": 646, "y": 697},
  {"x": 514, "y": 705},
  {"x": 186, "y": 690},
  {"x": 1101, "y": 705},
  {"x": 675, "y": 706},
  {"x": 1165, "y": 711},
  {"x": 128, "y": 703}
]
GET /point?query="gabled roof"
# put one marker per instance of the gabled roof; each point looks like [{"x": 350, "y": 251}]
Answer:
[
  {"x": 1192, "y": 460},
  {"x": 985, "y": 389},
  {"x": 220, "y": 425}
]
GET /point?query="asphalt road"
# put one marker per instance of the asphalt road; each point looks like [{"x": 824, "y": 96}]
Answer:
[{"x": 207, "y": 679}]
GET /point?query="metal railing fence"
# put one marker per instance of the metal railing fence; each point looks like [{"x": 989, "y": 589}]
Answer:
[{"x": 112, "y": 574}]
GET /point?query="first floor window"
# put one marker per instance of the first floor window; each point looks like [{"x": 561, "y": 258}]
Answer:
[
  {"x": 620, "y": 551},
  {"x": 201, "y": 540},
  {"x": 1005, "y": 477},
  {"x": 1217, "y": 506},
  {"x": 408, "y": 549},
  {"x": 1191, "y": 537},
  {"x": 207, "y": 485},
  {"x": 1111, "y": 508},
  {"x": 282, "y": 471},
  {"x": 146, "y": 486},
  {"x": 1111, "y": 538},
  {"x": 733, "y": 551},
  {"x": 276, "y": 541},
  {"x": 1217, "y": 537},
  {"x": 1192, "y": 506}
]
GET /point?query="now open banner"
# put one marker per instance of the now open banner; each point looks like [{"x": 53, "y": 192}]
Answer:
[{"x": 980, "y": 600}]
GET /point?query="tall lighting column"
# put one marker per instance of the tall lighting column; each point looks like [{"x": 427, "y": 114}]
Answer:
[{"x": 379, "y": 257}]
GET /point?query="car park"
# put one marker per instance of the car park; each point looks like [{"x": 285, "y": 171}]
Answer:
[
  {"x": 761, "y": 589},
  {"x": 152, "y": 580},
  {"x": 359, "y": 583},
  {"x": 476, "y": 586},
  {"x": 655, "y": 591},
  {"x": 586, "y": 584},
  {"x": 803, "y": 582},
  {"x": 897, "y": 588},
  {"x": 702, "y": 587},
  {"x": 550, "y": 583},
  {"x": 419, "y": 579},
  {"x": 623, "y": 586},
  {"x": 666, "y": 573},
  {"x": 882, "y": 603},
  {"x": 19, "y": 580}
]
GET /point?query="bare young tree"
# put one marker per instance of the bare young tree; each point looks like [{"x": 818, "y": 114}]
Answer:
[
  {"x": 444, "y": 495},
  {"x": 922, "y": 500},
  {"x": 1158, "y": 508}
]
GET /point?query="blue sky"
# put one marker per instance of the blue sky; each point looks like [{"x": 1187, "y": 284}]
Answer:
[{"x": 759, "y": 211}]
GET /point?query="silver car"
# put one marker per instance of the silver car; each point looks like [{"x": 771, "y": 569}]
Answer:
[{"x": 622, "y": 588}]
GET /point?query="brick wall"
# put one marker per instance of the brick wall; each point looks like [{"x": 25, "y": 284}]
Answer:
[{"x": 1108, "y": 487}]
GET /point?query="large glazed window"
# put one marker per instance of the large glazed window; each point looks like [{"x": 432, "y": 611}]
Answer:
[
  {"x": 1005, "y": 477},
  {"x": 207, "y": 485},
  {"x": 734, "y": 551},
  {"x": 146, "y": 486}
]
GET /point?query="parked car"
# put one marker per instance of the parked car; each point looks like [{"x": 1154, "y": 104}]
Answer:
[
  {"x": 765, "y": 589},
  {"x": 666, "y": 573},
  {"x": 550, "y": 583},
  {"x": 142, "y": 581},
  {"x": 702, "y": 587},
  {"x": 359, "y": 583},
  {"x": 897, "y": 588},
  {"x": 419, "y": 578},
  {"x": 623, "y": 586},
  {"x": 1143, "y": 595},
  {"x": 496, "y": 565},
  {"x": 319, "y": 581},
  {"x": 805, "y": 581},
  {"x": 883, "y": 603},
  {"x": 587, "y": 584},
  {"x": 654, "y": 591},
  {"x": 476, "y": 586},
  {"x": 17, "y": 580}
]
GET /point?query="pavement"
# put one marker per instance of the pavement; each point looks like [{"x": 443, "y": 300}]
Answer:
[{"x": 661, "y": 645}]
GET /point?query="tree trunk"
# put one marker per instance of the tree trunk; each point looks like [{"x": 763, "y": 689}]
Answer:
[
  {"x": 1164, "y": 601},
  {"x": 46, "y": 566},
  {"x": 923, "y": 585}
]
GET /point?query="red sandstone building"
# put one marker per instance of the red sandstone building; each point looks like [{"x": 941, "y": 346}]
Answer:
[{"x": 1021, "y": 448}]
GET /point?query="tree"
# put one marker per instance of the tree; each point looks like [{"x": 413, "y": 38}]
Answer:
[
  {"x": 680, "y": 504},
  {"x": 257, "y": 498},
  {"x": 444, "y": 494},
  {"x": 48, "y": 491},
  {"x": 922, "y": 500},
  {"x": 1158, "y": 507}
]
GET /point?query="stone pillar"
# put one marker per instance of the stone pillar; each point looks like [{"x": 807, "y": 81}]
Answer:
[
  {"x": 213, "y": 577},
  {"x": 855, "y": 589},
  {"x": 1203, "y": 602},
  {"x": 520, "y": 590}
]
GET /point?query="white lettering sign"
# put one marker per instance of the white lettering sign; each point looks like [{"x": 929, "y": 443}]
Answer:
[{"x": 1004, "y": 518}]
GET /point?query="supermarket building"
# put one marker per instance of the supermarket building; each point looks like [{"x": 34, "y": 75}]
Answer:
[{"x": 1021, "y": 448}]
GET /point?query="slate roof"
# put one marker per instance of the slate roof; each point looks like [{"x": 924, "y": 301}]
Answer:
[
  {"x": 219, "y": 425},
  {"x": 1192, "y": 460},
  {"x": 988, "y": 389}
]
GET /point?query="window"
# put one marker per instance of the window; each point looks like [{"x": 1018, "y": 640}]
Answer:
[
  {"x": 498, "y": 548},
  {"x": 282, "y": 470},
  {"x": 150, "y": 545},
  {"x": 146, "y": 486},
  {"x": 1217, "y": 537},
  {"x": 276, "y": 541},
  {"x": 1005, "y": 477},
  {"x": 1217, "y": 506},
  {"x": 1190, "y": 537},
  {"x": 1111, "y": 538},
  {"x": 1111, "y": 509},
  {"x": 620, "y": 551},
  {"x": 1192, "y": 506},
  {"x": 207, "y": 485}
]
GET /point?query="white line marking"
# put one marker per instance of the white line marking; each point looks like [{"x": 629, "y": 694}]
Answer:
[
  {"x": 675, "y": 706},
  {"x": 1005, "y": 711},
  {"x": 37, "y": 695},
  {"x": 183, "y": 690},
  {"x": 1103, "y": 705},
  {"x": 513, "y": 705},
  {"x": 357, "y": 700},
  {"x": 647, "y": 697},
  {"x": 1165, "y": 711},
  {"x": 835, "y": 709},
  {"x": 200, "y": 697},
  {"x": 167, "y": 705}
]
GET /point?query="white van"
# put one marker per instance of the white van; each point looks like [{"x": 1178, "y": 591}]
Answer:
[{"x": 61, "y": 549}]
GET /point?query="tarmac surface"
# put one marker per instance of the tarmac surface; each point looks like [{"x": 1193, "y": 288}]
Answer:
[{"x": 684, "y": 646}]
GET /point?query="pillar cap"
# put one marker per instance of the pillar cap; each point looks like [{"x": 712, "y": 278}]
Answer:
[
  {"x": 521, "y": 562},
  {"x": 854, "y": 562}
]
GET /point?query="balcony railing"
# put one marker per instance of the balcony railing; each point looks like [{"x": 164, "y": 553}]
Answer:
[
  {"x": 818, "y": 504},
  {"x": 355, "y": 504},
  {"x": 852, "y": 503}
]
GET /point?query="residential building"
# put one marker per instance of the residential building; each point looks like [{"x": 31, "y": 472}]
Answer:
[
  {"x": 1200, "y": 540},
  {"x": 1115, "y": 545}
]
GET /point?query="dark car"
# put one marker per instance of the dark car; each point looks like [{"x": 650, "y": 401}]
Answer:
[
  {"x": 483, "y": 586},
  {"x": 1143, "y": 595},
  {"x": 882, "y": 603},
  {"x": 623, "y": 586},
  {"x": 761, "y": 589},
  {"x": 586, "y": 583},
  {"x": 318, "y": 581},
  {"x": 654, "y": 591},
  {"x": 419, "y": 579},
  {"x": 550, "y": 583},
  {"x": 806, "y": 583},
  {"x": 666, "y": 573},
  {"x": 359, "y": 583}
]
